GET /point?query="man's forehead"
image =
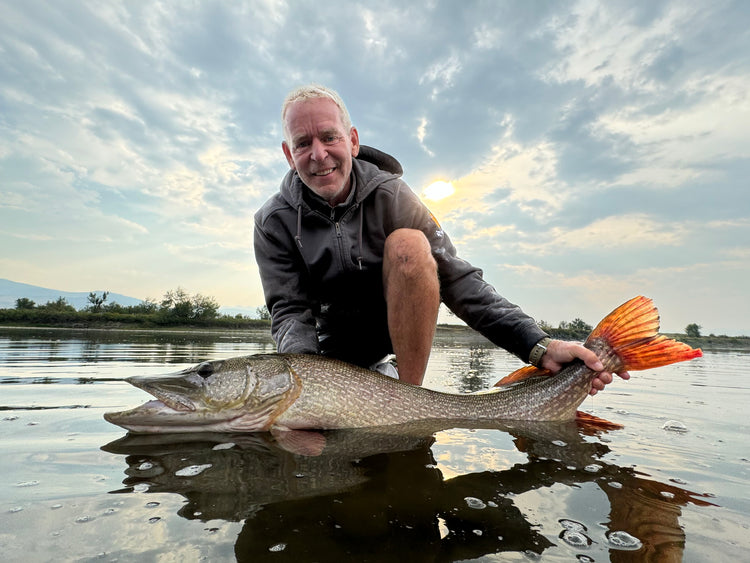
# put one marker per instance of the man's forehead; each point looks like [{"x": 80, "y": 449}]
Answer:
[{"x": 317, "y": 112}]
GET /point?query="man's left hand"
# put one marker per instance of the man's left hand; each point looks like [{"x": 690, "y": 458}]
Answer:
[{"x": 561, "y": 352}]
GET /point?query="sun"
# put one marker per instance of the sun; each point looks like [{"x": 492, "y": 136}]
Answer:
[{"x": 438, "y": 190}]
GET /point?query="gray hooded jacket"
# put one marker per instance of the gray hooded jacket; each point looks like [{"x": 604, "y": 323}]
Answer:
[{"x": 321, "y": 268}]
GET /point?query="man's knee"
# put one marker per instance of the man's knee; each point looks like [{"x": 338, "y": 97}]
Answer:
[{"x": 408, "y": 251}]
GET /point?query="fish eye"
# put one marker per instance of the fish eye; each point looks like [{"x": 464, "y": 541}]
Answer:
[{"x": 205, "y": 370}]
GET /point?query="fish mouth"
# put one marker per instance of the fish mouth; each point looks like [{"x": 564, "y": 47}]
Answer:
[{"x": 169, "y": 393}]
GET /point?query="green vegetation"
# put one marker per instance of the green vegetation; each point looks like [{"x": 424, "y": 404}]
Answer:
[{"x": 177, "y": 308}]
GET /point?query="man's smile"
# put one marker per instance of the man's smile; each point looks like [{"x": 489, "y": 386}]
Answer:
[{"x": 324, "y": 172}]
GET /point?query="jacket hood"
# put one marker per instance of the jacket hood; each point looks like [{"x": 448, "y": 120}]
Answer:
[{"x": 371, "y": 167}]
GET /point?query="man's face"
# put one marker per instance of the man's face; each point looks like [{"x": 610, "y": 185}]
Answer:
[{"x": 320, "y": 149}]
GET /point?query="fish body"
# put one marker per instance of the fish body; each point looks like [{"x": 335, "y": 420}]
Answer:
[{"x": 297, "y": 391}]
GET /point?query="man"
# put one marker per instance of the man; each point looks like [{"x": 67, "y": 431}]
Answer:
[{"x": 354, "y": 266}]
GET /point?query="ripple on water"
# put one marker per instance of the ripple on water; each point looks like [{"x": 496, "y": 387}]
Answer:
[{"x": 623, "y": 540}]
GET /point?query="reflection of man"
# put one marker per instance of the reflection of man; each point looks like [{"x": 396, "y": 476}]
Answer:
[{"x": 354, "y": 266}]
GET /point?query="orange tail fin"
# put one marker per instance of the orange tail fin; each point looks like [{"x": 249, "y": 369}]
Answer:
[{"x": 632, "y": 330}]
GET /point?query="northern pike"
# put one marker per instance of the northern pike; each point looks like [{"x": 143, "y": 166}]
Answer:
[{"x": 297, "y": 391}]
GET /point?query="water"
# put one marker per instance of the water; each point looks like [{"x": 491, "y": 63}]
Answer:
[{"x": 672, "y": 485}]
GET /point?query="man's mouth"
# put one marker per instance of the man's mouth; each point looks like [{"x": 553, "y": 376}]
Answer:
[{"x": 325, "y": 172}]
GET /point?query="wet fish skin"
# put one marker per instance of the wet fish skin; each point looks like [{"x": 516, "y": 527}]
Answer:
[{"x": 290, "y": 391}]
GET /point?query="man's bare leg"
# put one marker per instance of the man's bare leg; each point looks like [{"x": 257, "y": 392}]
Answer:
[{"x": 412, "y": 294}]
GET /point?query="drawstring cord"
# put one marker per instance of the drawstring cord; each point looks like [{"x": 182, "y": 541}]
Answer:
[
  {"x": 359, "y": 236},
  {"x": 298, "y": 236}
]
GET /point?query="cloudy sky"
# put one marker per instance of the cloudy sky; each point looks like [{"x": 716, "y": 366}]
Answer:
[{"x": 598, "y": 150}]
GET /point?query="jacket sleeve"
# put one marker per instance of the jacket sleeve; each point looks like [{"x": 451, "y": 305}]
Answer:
[
  {"x": 463, "y": 288},
  {"x": 284, "y": 286}
]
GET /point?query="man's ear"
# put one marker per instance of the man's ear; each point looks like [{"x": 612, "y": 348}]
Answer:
[
  {"x": 354, "y": 138},
  {"x": 288, "y": 154}
]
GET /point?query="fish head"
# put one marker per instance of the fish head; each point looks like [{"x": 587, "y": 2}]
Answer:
[{"x": 241, "y": 394}]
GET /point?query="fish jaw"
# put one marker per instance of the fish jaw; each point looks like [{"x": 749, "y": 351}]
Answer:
[{"x": 155, "y": 417}]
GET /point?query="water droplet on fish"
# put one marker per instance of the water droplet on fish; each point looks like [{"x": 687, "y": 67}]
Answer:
[
  {"x": 475, "y": 503},
  {"x": 277, "y": 547},
  {"x": 674, "y": 426},
  {"x": 224, "y": 446},
  {"x": 624, "y": 541},
  {"x": 192, "y": 470},
  {"x": 576, "y": 539},
  {"x": 593, "y": 468},
  {"x": 145, "y": 465},
  {"x": 559, "y": 443}
]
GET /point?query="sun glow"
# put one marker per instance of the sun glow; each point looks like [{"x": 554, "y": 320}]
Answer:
[{"x": 438, "y": 190}]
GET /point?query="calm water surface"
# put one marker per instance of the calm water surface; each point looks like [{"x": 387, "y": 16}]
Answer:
[{"x": 672, "y": 485}]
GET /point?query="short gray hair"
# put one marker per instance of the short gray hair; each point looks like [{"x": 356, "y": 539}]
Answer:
[{"x": 313, "y": 92}]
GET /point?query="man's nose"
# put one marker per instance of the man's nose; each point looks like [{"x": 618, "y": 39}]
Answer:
[{"x": 318, "y": 150}]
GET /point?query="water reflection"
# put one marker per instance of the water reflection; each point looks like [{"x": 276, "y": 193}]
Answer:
[
  {"x": 378, "y": 494},
  {"x": 46, "y": 345}
]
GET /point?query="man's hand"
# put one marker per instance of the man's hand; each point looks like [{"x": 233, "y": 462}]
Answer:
[{"x": 560, "y": 352}]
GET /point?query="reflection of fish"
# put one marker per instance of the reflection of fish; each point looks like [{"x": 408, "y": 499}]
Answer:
[{"x": 286, "y": 391}]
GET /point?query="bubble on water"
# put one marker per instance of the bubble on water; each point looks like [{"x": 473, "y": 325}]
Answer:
[
  {"x": 224, "y": 446},
  {"x": 15, "y": 509},
  {"x": 492, "y": 504},
  {"x": 146, "y": 465},
  {"x": 678, "y": 481},
  {"x": 674, "y": 426},
  {"x": 110, "y": 511},
  {"x": 154, "y": 519},
  {"x": 27, "y": 484},
  {"x": 141, "y": 487},
  {"x": 32, "y": 423},
  {"x": 152, "y": 504},
  {"x": 192, "y": 470},
  {"x": 623, "y": 540},
  {"x": 572, "y": 525},
  {"x": 593, "y": 468},
  {"x": 575, "y": 539},
  {"x": 56, "y": 506},
  {"x": 667, "y": 494},
  {"x": 559, "y": 443},
  {"x": 277, "y": 547},
  {"x": 585, "y": 558},
  {"x": 615, "y": 485},
  {"x": 84, "y": 519},
  {"x": 477, "y": 532},
  {"x": 10, "y": 418},
  {"x": 473, "y": 502}
]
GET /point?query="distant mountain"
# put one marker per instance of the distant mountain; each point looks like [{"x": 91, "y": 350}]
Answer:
[{"x": 10, "y": 291}]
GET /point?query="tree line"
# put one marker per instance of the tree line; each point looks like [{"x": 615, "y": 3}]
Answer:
[{"x": 177, "y": 307}]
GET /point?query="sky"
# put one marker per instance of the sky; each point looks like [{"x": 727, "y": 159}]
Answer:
[{"x": 598, "y": 150}]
